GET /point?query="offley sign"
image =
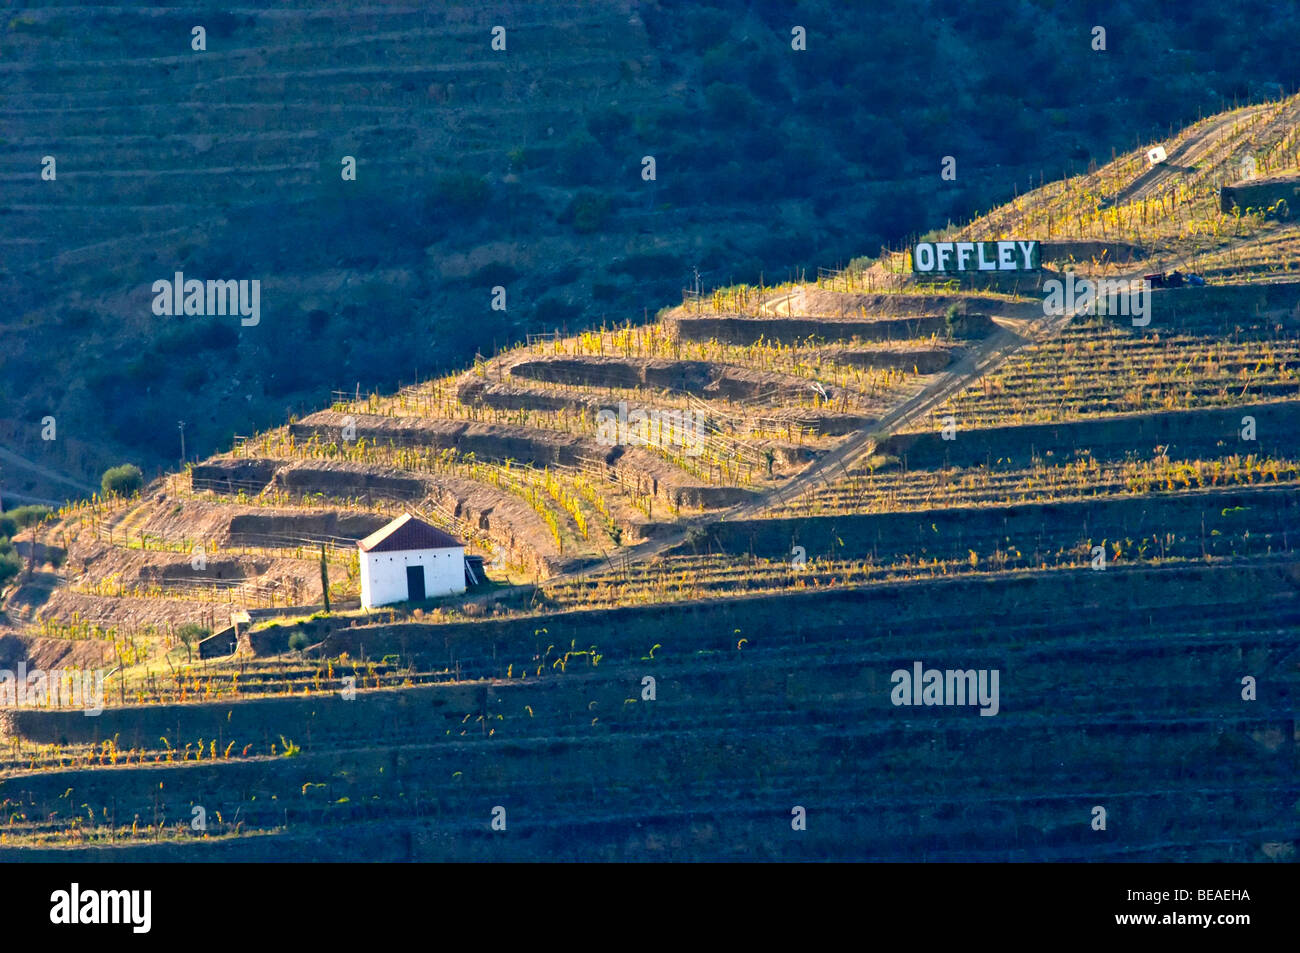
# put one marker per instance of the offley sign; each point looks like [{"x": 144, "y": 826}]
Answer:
[{"x": 930, "y": 258}]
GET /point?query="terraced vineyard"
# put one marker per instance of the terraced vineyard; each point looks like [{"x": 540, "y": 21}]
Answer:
[
  {"x": 538, "y": 458},
  {"x": 228, "y": 162},
  {"x": 742, "y": 729},
  {"x": 1098, "y": 368},
  {"x": 1169, "y": 208},
  {"x": 1104, "y": 409},
  {"x": 714, "y": 540}
]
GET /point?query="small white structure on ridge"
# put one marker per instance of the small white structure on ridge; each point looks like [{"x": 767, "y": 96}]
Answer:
[{"x": 410, "y": 560}]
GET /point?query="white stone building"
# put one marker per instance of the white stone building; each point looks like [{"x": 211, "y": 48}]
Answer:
[{"x": 410, "y": 560}]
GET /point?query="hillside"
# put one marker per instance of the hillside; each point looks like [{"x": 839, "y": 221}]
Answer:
[
  {"x": 689, "y": 638},
  {"x": 518, "y": 168}
]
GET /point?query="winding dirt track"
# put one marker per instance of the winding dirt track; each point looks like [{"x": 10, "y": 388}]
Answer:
[
  {"x": 1182, "y": 160},
  {"x": 1017, "y": 329},
  {"x": 1020, "y": 326}
]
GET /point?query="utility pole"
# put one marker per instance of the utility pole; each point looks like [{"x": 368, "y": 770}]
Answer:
[{"x": 181, "y": 425}]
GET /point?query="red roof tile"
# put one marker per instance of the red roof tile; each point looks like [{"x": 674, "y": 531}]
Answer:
[{"x": 404, "y": 533}]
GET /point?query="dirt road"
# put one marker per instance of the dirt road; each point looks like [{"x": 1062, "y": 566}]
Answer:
[
  {"x": 1179, "y": 162},
  {"x": 1023, "y": 325}
]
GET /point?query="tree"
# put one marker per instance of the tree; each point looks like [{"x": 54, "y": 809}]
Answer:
[
  {"x": 729, "y": 104},
  {"x": 10, "y": 564},
  {"x": 580, "y": 160},
  {"x": 25, "y": 516},
  {"x": 464, "y": 194},
  {"x": 190, "y": 634},
  {"x": 123, "y": 480},
  {"x": 954, "y": 321},
  {"x": 324, "y": 578},
  {"x": 587, "y": 211}
]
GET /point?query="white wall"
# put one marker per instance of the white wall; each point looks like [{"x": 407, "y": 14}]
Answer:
[{"x": 383, "y": 575}]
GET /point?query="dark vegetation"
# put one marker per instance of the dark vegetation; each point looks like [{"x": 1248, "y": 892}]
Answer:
[
  {"x": 841, "y": 143},
  {"x": 122, "y": 480},
  {"x": 12, "y": 522}
]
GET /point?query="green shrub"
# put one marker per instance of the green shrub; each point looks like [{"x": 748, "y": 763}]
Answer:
[
  {"x": 587, "y": 212},
  {"x": 647, "y": 266},
  {"x": 495, "y": 273},
  {"x": 297, "y": 642},
  {"x": 565, "y": 274},
  {"x": 956, "y": 322},
  {"x": 192, "y": 632},
  {"x": 604, "y": 290},
  {"x": 123, "y": 480},
  {"x": 144, "y": 370},
  {"x": 607, "y": 123},
  {"x": 552, "y": 310},
  {"x": 730, "y": 105},
  {"x": 194, "y": 377},
  {"x": 190, "y": 635},
  {"x": 580, "y": 161},
  {"x": 523, "y": 158},
  {"x": 221, "y": 24},
  {"x": 460, "y": 192},
  {"x": 201, "y": 335},
  {"x": 25, "y": 516},
  {"x": 78, "y": 318},
  {"x": 10, "y": 566}
]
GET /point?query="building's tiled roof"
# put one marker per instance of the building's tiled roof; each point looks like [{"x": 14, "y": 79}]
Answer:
[{"x": 407, "y": 532}]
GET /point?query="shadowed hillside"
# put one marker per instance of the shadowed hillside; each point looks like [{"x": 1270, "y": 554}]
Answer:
[
  {"x": 1085, "y": 525},
  {"x": 518, "y": 168}
]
